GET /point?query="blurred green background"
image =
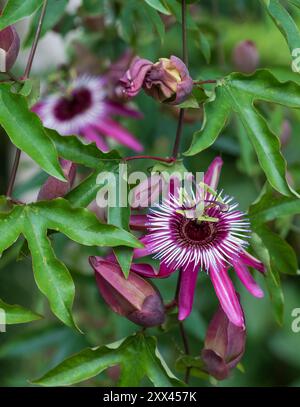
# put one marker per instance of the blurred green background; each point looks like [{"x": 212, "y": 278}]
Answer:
[{"x": 272, "y": 355}]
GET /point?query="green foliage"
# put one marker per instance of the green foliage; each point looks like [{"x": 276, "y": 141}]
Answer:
[
  {"x": 54, "y": 12},
  {"x": 26, "y": 131},
  {"x": 158, "y": 5},
  {"x": 277, "y": 255},
  {"x": 137, "y": 355},
  {"x": 16, "y": 10},
  {"x": 15, "y": 314},
  {"x": 120, "y": 216},
  {"x": 238, "y": 93},
  {"x": 51, "y": 275},
  {"x": 73, "y": 149},
  {"x": 284, "y": 22}
]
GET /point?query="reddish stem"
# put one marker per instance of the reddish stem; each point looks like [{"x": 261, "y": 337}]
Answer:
[
  {"x": 204, "y": 82},
  {"x": 150, "y": 157}
]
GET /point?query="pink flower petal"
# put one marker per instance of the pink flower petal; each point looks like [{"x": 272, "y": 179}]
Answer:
[
  {"x": 117, "y": 132},
  {"x": 145, "y": 270},
  {"x": 251, "y": 261},
  {"x": 246, "y": 278},
  {"x": 122, "y": 110},
  {"x": 92, "y": 135},
  {"x": 226, "y": 294},
  {"x": 187, "y": 292},
  {"x": 212, "y": 174}
]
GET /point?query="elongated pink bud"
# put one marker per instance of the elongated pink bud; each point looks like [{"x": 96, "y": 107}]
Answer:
[
  {"x": 54, "y": 188},
  {"x": 245, "y": 56},
  {"x": 134, "y": 297},
  {"x": 286, "y": 132},
  {"x": 224, "y": 346},
  {"x": 9, "y": 48}
]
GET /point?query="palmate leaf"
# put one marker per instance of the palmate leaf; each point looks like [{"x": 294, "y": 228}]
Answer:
[
  {"x": 16, "y": 10},
  {"x": 26, "y": 131},
  {"x": 80, "y": 225},
  {"x": 138, "y": 356},
  {"x": 15, "y": 314},
  {"x": 238, "y": 93}
]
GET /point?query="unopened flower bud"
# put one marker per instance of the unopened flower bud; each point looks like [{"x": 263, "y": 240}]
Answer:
[
  {"x": 54, "y": 188},
  {"x": 134, "y": 297},
  {"x": 9, "y": 48},
  {"x": 245, "y": 56},
  {"x": 169, "y": 81},
  {"x": 224, "y": 346},
  {"x": 286, "y": 131}
]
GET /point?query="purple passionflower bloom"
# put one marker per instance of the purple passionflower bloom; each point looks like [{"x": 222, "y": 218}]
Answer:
[
  {"x": 224, "y": 346},
  {"x": 167, "y": 80},
  {"x": 9, "y": 48},
  {"x": 134, "y": 297},
  {"x": 212, "y": 242},
  {"x": 84, "y": 109}
]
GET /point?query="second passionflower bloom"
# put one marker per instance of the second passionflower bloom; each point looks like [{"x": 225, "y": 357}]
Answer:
[
  {"x": 167, "y": 80},
  {"x": 84, "y": 109}
]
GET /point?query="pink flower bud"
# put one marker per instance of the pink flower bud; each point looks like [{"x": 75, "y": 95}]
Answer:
[
  {"x": 286, "y": 131},
  {"x": 9, "y": 48},
  {"x": 224, "y": 346},
  {"x": 169, "y": 81},
  {"x": 54, "y": 188},
  {"x": 245, "y": 56},
  {"x": 134, "y": 297},
  {"x": 147, "y": 193}
]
